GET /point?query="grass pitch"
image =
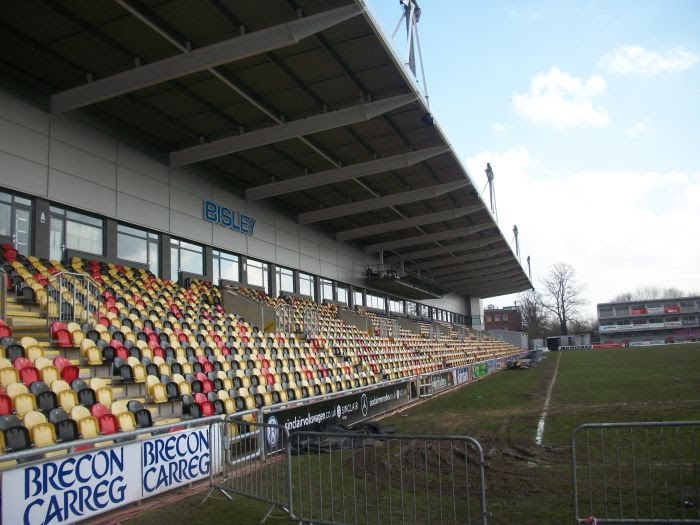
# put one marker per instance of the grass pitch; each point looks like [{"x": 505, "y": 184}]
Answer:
[{"x": 527, "y": 484}]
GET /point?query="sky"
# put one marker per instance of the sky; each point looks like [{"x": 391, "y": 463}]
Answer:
[{"x": 589, "y": 113}]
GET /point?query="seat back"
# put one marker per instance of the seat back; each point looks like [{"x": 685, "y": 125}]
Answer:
[
  {"x": 43, "y": 434},
  {"x": 108, "y": 423},
  {"x": 24, "y": 403},
  {"x": 67, "y": 430},
  {"x": 17, "y": 438}
]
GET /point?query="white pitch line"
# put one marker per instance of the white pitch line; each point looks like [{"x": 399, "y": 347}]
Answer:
[{"x": 548, "y": 397}]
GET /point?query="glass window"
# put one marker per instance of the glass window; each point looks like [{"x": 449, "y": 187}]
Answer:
[
  {"x": 75, "y": 231},
  {"x": 497, "y": 318},
  {"x": 396, "y": 306},
  {"x": 306, "y": 285},
  {"x": 505, "y": 317},
  {"x": 15, "y": 221},
  {"x": 185, "y": 257},
  {"x": 342, "y": 294},
  {"x": 376, "y": 301},
  {"x": 225, "y": 266},
  {"x": 259, "y": 274},
  {"x": 139, "y": 246},
  {"x": 411, "y": 308},
  {"x": 285, "y": 280},
  {"x": 326, "y": 289},
  {"x": 357, "y": 298}
]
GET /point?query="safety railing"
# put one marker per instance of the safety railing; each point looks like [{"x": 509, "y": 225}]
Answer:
[
  {"x": 284, "y": 318},
  {"x": 3, "y": 293},
  {"x": 73, "y": 297},
  {"x": 645, "y": 472},
  {"x": 311, "y": 321},
  {"x": 388, "y": 328}
]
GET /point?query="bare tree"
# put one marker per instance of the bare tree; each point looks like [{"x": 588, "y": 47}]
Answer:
[
  {"x": 563, "y": 295},
  {"x": 533, "y": 314}
]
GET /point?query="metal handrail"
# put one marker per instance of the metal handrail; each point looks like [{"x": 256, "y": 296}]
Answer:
[
  {"x": 121, "y": 436},
  {"x": 3, "y": 293}
]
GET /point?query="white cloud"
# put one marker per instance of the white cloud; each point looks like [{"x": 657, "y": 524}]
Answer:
[
  {"x": 635, "y": 59},
  {"x": 499, "y": 128},
  {"x": 619, "y": 229},
  {"x": 564, "y": 101},
  {"x": 638, "y": 128}
]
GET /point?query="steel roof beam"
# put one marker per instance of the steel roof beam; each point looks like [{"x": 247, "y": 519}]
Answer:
[
  {"x": 410, "y": 222},
  {"x": 451, "y": 248},
  {"x": 452, "y": 261},
  {"x": 227, "y": 51},
  {"x": 511, "y": 287},
  {"x": 452, "y": 280},
  {"x": 377, "y": 203},
  {"x": 361, "y": 169},
  {"x": 292, "y": 129},
  {"x": 510, "y": 275},
  {"x": 432, "y": 237},
  {"x": 471, "y": 266},
  {"x": 495, "y": 291}
]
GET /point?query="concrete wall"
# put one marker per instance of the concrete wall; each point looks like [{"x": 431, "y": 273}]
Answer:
[{"x": 76, "y": 161}]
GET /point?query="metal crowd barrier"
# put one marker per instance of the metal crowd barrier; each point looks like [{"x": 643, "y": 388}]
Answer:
[
  {"x": 255, "y": 463},
  {"x": 334, "y": 478},
  {"x": 636, "y": 472},
  {"x": 374, "y": 479}
]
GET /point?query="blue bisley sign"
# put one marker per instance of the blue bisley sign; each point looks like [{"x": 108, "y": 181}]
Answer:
[{"x": 228, "y": 218}]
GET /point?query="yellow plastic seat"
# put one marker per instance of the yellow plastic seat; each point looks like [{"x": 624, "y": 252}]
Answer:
[
  {"x": 49, "y": 374},
  {"x": 34, "y": 352},
  {"x": 28, "y": 341},
  {"x": 68, "y": 399},
  {"x": 127, "y": 422},
  {"x": 118, "y": 407},
  {"x": 79, "y": 412},
  {"x": 43, "y": 435},
  {"x": 15, "y": 389},
  {"x": 59, "y": 386},
  {"x": 104, "y": 396},
  {"x": 8, "y": 376},
  {"x": 89, "y": 427},
  {"x": 24, "y": 404},
  {"x": 94, "y": 356}
]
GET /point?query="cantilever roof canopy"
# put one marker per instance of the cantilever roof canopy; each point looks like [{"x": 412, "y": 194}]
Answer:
[{"x": 299, "y": 102}]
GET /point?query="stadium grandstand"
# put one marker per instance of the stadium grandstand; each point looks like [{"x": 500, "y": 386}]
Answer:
[{"x": 216, "y": 207}]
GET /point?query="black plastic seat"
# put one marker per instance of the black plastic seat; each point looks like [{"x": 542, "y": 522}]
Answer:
[
  {"x": 66, "y": 430},
  {"x": 46, "y": 401},
  {"x": 87, "y": 397},
  {"x": 16, "y": 439},
  {"x": 144, "y": 419},
  {"x": 134, "y": 406},
  {"x": 58, "y": 414}
]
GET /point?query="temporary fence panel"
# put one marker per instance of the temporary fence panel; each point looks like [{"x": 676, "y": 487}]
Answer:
[
  {"x": 375, "y": 479},
  {"x": 256, "y": 462},
  {"x": 645, "y": 472}
]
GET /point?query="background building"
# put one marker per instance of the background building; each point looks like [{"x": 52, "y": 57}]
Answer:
[
  {"x": 507, "y": 318},
  {"x": 650, "y": 321}
]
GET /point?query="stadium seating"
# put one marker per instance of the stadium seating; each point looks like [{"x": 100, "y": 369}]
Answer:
[{"x": 151, "y": 344}]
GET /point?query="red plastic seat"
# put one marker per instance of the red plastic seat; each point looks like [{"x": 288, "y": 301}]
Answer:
[
  {"x": 61, "y": 362},
  {"x": 109, "y": 424},
  {"x": 200, "y": 398},
  {"x": 22, "y": 362},
  {"x": 5, "y": 405},
  {"x": 70, "y": 373},
  {"x": 29, "y": 374},
  {"x": 5, "y": 331},
  {"x": 98, "y": 410},
  {"x": 207, "y": 408}
]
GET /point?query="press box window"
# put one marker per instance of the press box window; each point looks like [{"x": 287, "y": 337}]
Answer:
[
  {"x": 74, "y": 231},
  {"x": 285, "y": 280},
  {"x": 326, "y": 289},
  {"x": 226, "y": 266},
  {"x": 259, "y": 274},
  {"x": 138, "y": 246},
  {"x": 342, "y": 294},
  {"x": 396, "y": 306},
  {"x": 357, "y": 298},
  {"x": 185, "y": 257},
  {"x": 306, "y": 285}
]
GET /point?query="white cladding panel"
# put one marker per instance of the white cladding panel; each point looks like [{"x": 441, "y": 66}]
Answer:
[{"x": 73, "y": 160}]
